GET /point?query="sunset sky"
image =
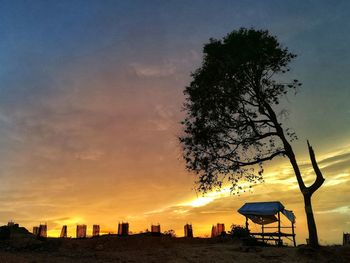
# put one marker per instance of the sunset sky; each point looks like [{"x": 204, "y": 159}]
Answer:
[{"x": 90, "y": 106}]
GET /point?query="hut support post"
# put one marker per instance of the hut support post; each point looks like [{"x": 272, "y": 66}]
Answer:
[
  {"x": 279, "y": 229},
  {"x": 246, "y": 223},
  {"x": 262, "y": 230},
  {"x": 293, "y": 235}
]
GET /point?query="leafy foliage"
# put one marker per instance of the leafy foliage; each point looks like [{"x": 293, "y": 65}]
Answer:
[
  {"x": 230, "y": 128},
  {"x": 239, "y": 232},
  {"x": 170, "y": 233}
]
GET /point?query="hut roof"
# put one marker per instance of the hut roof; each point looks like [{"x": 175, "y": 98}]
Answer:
[{"x": 264, "y": 212}]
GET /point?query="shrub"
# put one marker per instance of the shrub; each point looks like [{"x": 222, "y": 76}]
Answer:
[{"x": 239, "y": 232}]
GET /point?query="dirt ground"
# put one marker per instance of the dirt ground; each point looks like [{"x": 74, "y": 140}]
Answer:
[{"x": 158, "y": 249}]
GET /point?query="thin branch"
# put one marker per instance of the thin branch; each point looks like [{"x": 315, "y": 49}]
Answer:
[
  {"x": 268, "y": 158},
  {"x": 250, "y": 103},
  {"x": 287, "y": 147}
]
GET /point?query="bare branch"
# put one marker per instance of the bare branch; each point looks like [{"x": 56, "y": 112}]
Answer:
[
  {"x": 259, "y": 160},
  {"x": 319, "y": 177}
]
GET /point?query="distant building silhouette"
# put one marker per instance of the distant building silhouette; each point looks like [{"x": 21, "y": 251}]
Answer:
[
  {"x": 95, "y": 230},
  {"x": 12, "y": 224},
  {"x": 123, "y": 229},
  {"x": 213, "y": 231},
  {"x": 63, "y": 232},
  {"x": 188, "y": 230},
  {"x": 155, "y": 229},
  {"x": 36, "y": 230},
  {"x": 346, "y": 239},
  {"x": 220, "y": 228},
  {"x": 42, "y": 230},
  {"x": 81, "y": 231}
]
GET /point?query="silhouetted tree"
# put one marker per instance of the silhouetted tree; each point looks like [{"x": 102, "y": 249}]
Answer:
[
  {"x": 239, "y": 231},
  {"x": 170, "y": 233},
  {"x": 231, "y": 127}
]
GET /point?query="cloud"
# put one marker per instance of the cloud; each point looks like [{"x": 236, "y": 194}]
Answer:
[
  {"x": 169, "y": 67},
  {"x": 164, "y": 118},
  {"x": 89, "y": 155},
  {"x": 340, "y": 210},
  {"x": 154, "y": 71}
]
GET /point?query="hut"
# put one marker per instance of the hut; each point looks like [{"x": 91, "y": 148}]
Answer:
[
  {"x": 95, "y": 230},
  {"x": 266, "y": 213},
  {"x": 123, "y": 229},
  {"x": 63, "y": 232},
  {"x": 188, "y": 230},
  {"x": 81, "y": 231}
]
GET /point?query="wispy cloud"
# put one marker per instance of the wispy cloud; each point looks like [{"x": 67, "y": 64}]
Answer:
[
  {"x": 340, "y": 210},
  {"x": 154, "y": 71}
]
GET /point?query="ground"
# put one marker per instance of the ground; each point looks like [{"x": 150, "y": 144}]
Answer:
[{"x": 158, "y": 249}]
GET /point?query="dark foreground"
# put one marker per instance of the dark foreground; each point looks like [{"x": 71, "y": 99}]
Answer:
[{"x": 158, "y": 249}]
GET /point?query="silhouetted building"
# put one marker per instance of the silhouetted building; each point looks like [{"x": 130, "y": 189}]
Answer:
[
  {"x": 213, "y": 231},
  {"x": 12, "y": 224},
  {"x": 42, "y": 230},
  {"x": 123, "y": 229},
  {"x": 95, "y": 230},
  {"x": 36, "y": 230},
  {"x": 346, "y": 239},
  {"x": 188, "y": 230},
  {"x": 63, "y": 232},
  {"x": 81, "y": 231},
  {"x": 220, "y": 228},
  {"x": 155, "y": 229}
]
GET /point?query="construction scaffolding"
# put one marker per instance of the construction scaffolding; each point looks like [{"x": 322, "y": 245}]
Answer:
[
  {"x": 188, "y": 230},
  {"x": 95, "y": 230},
  {"x": 63, "y": 232},
  {"x": 123, "y": 229},
  {"x": 12, "y": 224},
  {"x": 81, "y": 231},
  {"x": 36, "y": 230},
  {"x": 218, "y": 230},
  {"x": 213, "y": 231},
  {"x": 42, "y": 230},
  {"x": 155, "y": 229},
  {"x": 346, "y": 239}
]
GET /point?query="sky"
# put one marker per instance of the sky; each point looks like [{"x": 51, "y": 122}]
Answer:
[{"x": 91, "y": 94}]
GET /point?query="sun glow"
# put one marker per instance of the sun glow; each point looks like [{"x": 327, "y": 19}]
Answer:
[
  {"x": 208, "y": 198},
  {"x": 201, "y": 201},
  {"x": 70, "y": 222}
]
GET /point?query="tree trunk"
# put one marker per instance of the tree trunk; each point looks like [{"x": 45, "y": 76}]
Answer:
[
  {"x": 306, "y": 191},
  {"x": 313, "y": 239}
]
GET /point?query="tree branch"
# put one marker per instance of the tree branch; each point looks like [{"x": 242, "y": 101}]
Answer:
[
  {"x": 319, "y": 177},
  {"x": 287, "y": 147},
  {"x": 268, "y": 158}
]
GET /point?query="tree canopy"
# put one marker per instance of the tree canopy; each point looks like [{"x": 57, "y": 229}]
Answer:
[{"x": 230, "y": 127}]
